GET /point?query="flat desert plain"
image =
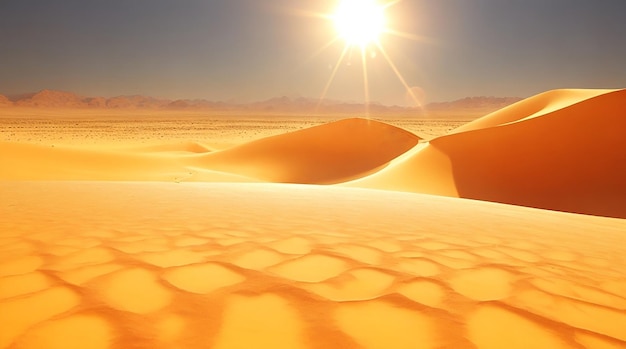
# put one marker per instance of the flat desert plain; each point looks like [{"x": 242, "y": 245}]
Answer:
[{"x": 154, "y": 229}]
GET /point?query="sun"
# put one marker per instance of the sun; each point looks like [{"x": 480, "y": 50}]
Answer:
[{"x": 359, "y": 22}]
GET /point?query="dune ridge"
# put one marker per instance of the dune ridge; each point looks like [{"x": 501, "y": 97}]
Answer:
[
  {"x": 534, "y": 106},
  {"x": 325, "y": 154},
  {"x": 561, "y": 150},
  {"x": 329, "y": 153},
  {"x": 570, "y": 159}
]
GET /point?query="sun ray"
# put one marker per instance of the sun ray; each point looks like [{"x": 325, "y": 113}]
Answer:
[
  {"x": 399, "y": 76},
  {"x": 332, "y": 76},
  {"x": 319, "y": 51},
  {"x": 406, "y": 35},
  {"x": 390, "y": 4},
  {"x": 305, "y": 13},
  {"x": 360, "y": 25},
  {"x": 365, "y": 82}
]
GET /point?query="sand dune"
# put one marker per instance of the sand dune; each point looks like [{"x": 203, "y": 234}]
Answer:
[
  {"x": 561, "y": 150},
  {"x": 120, "y": 265},
  {"x": 535, "y": 106},
  {"x": 36, "y": 162},
  {"x": 329, "y": 153},
  {"x": 98, "y": 251},
  {"x": 423, "y": 169},
  {"x": 151, "y": 163},
  {"x": 180, "y": 148},
  {"x": 571, "y": 159}
]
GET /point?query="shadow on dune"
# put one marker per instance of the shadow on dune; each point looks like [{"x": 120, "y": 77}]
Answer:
[
  {"x": 562, "y": 150},
  {"x": 570, "y": 159}
]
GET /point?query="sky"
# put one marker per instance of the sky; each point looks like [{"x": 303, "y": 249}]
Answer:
[{"x": 251, "y": 50}]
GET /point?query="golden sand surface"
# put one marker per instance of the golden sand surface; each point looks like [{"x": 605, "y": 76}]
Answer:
[
  {"x": 158, "y": 230},
  {"x": 217, "y": 265}
]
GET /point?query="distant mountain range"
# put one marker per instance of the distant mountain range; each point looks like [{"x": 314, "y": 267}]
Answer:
[
  {"x": 475, "y": 102},
  {"x": 69, "y": 100}
]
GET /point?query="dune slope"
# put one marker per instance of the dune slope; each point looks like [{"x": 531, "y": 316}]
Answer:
[
  {"x": 423, "y": 169},
  {"x": 541, "y": 153},
  {"x": 328, "y": 153},
  {"x": 22, "y": 161},
  {"x": 572, "y": 159}
]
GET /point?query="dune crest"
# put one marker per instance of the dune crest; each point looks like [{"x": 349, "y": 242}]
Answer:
[
  {"x": 423, "y": 169},
  {"x": 535, "y": 106},
  {"x": 329, "y": 153},
  {"x": 572, "y": 159},
  {"x": 562, "y": 150},
  {"x": 325, "y": 154}
]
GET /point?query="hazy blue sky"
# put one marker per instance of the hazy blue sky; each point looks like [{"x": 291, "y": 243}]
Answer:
[{"x": 248, "y": 50}]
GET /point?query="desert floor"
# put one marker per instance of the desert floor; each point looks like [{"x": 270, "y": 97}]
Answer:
[
  {"x": 177, "y": 231},
  {"x": 217, "y": 130}
]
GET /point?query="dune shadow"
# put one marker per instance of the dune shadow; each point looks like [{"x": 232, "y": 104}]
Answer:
[{"x": 572, "y": 159}]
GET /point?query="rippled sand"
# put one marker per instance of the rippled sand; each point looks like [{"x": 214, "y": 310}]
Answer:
[{"x": 106, "y": 265}]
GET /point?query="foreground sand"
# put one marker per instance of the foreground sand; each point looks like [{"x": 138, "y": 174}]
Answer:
[
  {"x": 118, "y": 236},
  {"x": 156, "y": 265}
]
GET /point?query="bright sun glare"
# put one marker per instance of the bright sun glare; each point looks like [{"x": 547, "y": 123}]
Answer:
[{"x": 359, "y": 22}]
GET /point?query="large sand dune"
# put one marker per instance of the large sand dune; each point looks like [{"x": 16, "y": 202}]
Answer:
[
  {"x": 329, "y": 153},
  {"x": 98, "y": 250},
  {"x": 535, "y": 106},
  {"x": 560, "y": 150},
  {"x": 563, "y": 150},
  {"x": 571, "y": 159}
]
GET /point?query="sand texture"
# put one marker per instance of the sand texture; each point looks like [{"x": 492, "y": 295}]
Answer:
[
  {"x": 326, "y": 236},
  {"x": 289, "y": 266}
]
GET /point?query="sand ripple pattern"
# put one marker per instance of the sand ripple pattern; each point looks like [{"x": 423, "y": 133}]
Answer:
[{"x": 156, "y": 265}]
